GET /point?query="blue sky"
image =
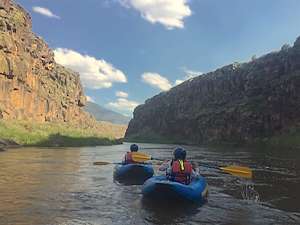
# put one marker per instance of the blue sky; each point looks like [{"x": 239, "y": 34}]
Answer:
[{"x": 127, "y": 50}]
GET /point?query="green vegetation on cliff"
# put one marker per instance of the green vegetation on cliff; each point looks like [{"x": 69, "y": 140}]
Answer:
[{"x": 59, "y": 134}]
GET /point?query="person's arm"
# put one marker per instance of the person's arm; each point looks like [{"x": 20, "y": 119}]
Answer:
[
  {"x": 124, "y": 159},
  {"x": 164, "y": 166},
  {"x": 195, "y": 170}
]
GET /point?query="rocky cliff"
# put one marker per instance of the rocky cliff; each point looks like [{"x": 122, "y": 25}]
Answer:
[
  {"x": 32, "y": 85},
  {"x": 237, "y": 103}
]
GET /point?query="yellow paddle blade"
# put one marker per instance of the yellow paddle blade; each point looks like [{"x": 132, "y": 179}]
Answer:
[
  {"x": 140, "y": 157},
  {"x": 240, "y": 171},
  {"x": 101, "y": 163}
]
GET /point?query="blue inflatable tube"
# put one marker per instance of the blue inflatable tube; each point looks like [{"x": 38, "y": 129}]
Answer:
[
  {"x": 133, "y": 173},
  {"x": 160, "y": 188}
]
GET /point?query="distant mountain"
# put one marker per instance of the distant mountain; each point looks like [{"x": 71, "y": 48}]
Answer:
[{"x": 103, "y": 114}]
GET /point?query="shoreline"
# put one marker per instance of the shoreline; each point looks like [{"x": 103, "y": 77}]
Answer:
[
  {"x": 288, "y": 141},
  {"x": 5, "y": 144},
  {"x": 8, "y": 144},
  {"x": 49, "y": 134}
]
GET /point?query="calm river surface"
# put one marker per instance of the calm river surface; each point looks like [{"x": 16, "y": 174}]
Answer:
[{"x": 40, "y": 186}]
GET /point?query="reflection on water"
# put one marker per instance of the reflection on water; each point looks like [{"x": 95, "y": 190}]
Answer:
[
  {"x": 62, "y": 186},
  {"x": 249, "y": 193}
]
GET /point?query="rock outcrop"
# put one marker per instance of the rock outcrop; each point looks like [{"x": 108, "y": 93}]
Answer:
[
  {"x": 32, "y": 85},
  {"x": 4, "y": 143},
  {"x": 237, "y": 103}
]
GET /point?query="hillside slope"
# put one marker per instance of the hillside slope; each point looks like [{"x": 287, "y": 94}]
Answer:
[
  {"x": 237, "y": 103},
  {"x": 102, "y": 114}
]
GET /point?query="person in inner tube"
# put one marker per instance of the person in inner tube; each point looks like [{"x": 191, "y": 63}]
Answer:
[
  {"x": 128, "y": 156},
  {"x": 179, "y": 169}
]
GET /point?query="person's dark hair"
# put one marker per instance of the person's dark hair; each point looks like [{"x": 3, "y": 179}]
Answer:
[
  {"x": 134, "y": 148},
  {"x": 179, "y": 153},
  {"x": 183, "y": 154}
]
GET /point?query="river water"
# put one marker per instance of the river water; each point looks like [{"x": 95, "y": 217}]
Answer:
[{"x": 40, "y": 186}]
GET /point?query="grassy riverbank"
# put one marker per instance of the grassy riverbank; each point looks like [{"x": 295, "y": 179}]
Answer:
[{"x": 60, "y": 134}]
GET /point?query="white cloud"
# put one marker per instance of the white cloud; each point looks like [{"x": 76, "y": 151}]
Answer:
[
  {"x": 177, "y": 82},
  {"x": 94, "y": 73},
  {"x": 127, "y": 115},
  {"x": 90, "y": 99},
  {"x": 157, "y": 81},
  {"x": 170, "y": 13},
  {"x": 121, "y": 94},
  {"x": 123, "y": 104},
  {"x": 189, "y": 74},
  {"x": 44, "y": 12},
  {"x": 192, "y": 73}
]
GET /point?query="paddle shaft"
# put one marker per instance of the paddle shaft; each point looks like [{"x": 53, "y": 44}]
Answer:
[
  {"x": 210, "y": 166},
  {"x": 157, "y": 159},
  {"x": 140, "y": 157},
  {"x": 101, "y": 163}
]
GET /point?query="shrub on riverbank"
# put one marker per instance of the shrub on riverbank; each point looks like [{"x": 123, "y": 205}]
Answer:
[{"x": 60, "y": 134}]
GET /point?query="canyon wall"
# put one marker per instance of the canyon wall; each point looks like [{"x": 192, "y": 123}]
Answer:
[
  {"x": 236, "y": 103},
  {"x": 32, "y": 85}
]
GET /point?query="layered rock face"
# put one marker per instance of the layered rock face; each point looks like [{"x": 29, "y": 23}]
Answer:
[
  {"x": 32, "y": 85},
  {"x": 237, "y": 103}
]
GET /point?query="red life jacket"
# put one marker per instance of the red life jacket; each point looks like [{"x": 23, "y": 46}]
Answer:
[
  {"x": 128, "y": 158},
  {"x": 181, "y": 172}
]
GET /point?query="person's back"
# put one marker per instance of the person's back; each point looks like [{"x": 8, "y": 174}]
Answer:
[
  {"x": 180, "y": 170},
  {"x": 128, "y": 156}
]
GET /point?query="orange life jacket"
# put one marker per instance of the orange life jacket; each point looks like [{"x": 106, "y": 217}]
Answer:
[{"x": 181, "y": 171}]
